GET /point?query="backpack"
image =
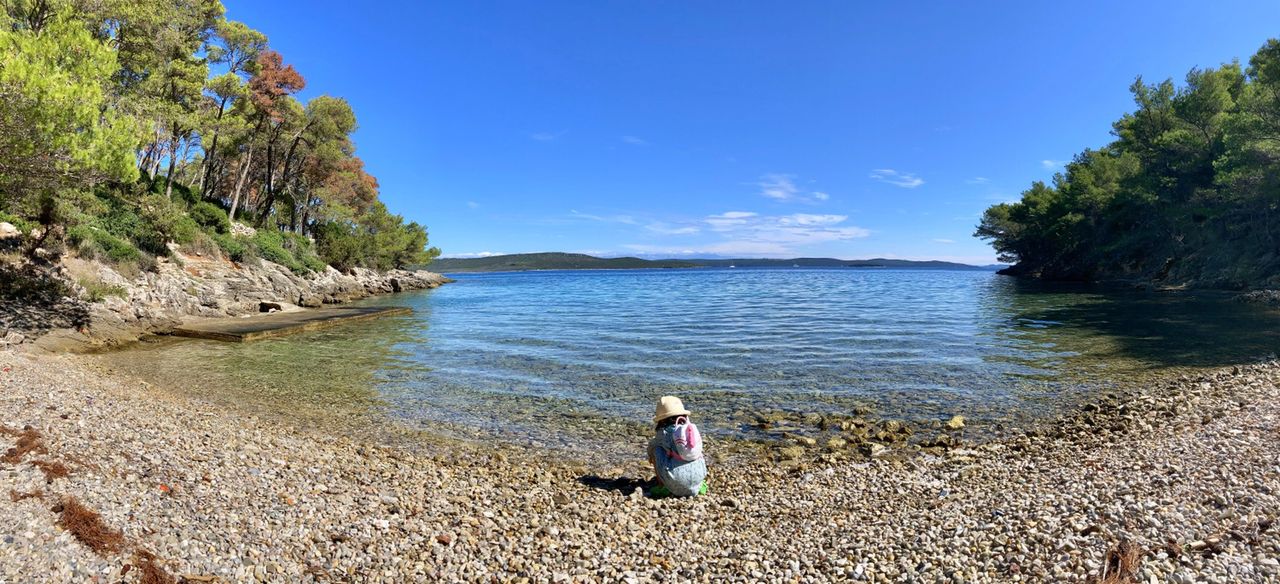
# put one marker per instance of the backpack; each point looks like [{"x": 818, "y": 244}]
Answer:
[{"x": 686, "y": 441}]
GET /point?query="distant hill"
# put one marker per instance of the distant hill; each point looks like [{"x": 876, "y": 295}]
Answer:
[
  {"x": 831, "y": 263},
  {"x": 548, "y": 261},
  {"x": 576, "y": 261}
]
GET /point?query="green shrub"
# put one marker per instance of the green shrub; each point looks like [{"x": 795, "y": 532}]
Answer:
[
  {"x": 97, "y": 291},
  {"x": 304, "y": 251},
  {"x": 124, "y": 222},
  {"x": 270, "y": 246},
  {"x": 233, "y": 247},
  {"x": 185, "y": 230},
  {"x": 202, "y": 244},
  {"x": 23, "y": 225},
  {"x": 100, "y": 244},
  {"x": 210, "y": 216}
]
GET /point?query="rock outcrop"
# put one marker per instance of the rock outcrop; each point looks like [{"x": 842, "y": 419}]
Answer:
[{"x": 124, "y": 309}]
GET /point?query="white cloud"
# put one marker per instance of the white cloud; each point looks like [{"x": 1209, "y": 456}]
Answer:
[
  {"x": 669, "y": 229},
  {"x": 624, "y": 219},
  {"x": 978, "y": 180},
  {"x": 778, "y": 186},
  {"x": 749, "y": 233},
  {"x": 811, "y": 220},
  {"x": 548, "y": 136},
  {"x": 782, "y": 187},
  {"x": 473, "y": 205},
  {"x": 635, "y": 141},
  {"x": 905, "y": 180},
  {"x": 1053, "y": 164},
  {"x": 941, "y": 240}
]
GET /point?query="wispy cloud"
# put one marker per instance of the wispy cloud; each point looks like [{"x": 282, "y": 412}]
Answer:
[
  {"x": 635, "y": 141},
  {"x": 659, "y": 227},
  {"x": 782, "y": 187},
  {"x": 624, "y": 219},
  {"x": 473, "y": 205},
  {"x": 749, "y": 233},
  {"x": 1053, "y": 164},
  {"x": 905, "y": 180},
  {"x": 548, "y": 136},
  {"x": 942, "y": 240},
  {"x": 669, "y": 229},
  {"x": 978, "y": 180},
  {"x": 778, "y": 187}
]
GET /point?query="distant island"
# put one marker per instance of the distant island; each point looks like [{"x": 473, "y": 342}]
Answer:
[{"x": 576, "y": 261}]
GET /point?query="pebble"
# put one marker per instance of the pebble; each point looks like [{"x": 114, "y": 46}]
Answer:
[{"x": 1044, "y": 504}]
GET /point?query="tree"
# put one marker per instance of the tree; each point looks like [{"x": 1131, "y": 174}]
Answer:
[{"x": 57, "y": 129}]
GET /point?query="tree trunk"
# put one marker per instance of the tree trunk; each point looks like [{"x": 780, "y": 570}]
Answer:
[
  {"x": 173, "y": 160},
  {"x": 244, "y": 174},
  {"x": 212, "y": 150}
]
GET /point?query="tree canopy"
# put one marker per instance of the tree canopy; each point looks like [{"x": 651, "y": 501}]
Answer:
[
  {"x": 1187, "y": 193},
  {"x": 151, "y": 108}
]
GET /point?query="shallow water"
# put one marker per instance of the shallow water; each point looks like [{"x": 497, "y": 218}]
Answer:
[{"x": 559, "y": 357}]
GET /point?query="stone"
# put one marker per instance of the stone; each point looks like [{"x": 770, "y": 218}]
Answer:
[
  {"x": 873, "y": 449},
  {"x": 8, "y": 230},
  {"x": 955, "y": 423},
  {"x": 791, "y": 452}
]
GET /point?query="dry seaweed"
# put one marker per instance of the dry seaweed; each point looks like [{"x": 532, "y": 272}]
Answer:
[{"x": 87, "y": 526}]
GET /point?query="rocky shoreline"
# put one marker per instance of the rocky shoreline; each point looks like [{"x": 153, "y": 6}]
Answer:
[
  {"x": 88, "y": 305},
  {"x": 1186, "y": 472}
]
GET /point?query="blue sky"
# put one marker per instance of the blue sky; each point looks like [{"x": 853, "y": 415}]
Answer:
[{"x": 746, "y": 129}]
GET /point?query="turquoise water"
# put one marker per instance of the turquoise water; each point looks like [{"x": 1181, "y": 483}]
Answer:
[{"x": 560, "y": 357}]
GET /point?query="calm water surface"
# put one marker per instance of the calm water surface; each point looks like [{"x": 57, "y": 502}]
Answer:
[{"x": 559, "y": 357}]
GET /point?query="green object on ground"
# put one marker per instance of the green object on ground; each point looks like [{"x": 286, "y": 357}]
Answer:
[{"x": 661, "y": 492}]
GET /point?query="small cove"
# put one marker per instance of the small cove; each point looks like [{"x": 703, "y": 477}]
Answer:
[{"x": 576, "y": 359}]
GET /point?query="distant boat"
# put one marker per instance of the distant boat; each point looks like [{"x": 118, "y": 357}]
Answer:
[
  {"x": 795, "y": 265},
  {"x": 732, "y": 266}
]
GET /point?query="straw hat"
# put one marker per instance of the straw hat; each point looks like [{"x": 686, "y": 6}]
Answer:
[{"x": 668, "y": 406}]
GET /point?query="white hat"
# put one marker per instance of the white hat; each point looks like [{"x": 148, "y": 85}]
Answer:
[{"x": 668, "y": 406}]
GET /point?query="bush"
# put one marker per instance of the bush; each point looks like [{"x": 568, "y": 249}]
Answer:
[
  {"x": 97, "y": 291},
  {"x": 270, "y": 246},
  {"x": 233, "y": 247},
  {"x": 210, "y": 216},
  {"x": 303, "y": 250},
  {"x": 202, "y": 244},
  {"x": 124, "y": 222},
  {"x": 100, "y": 244},
  {"x": 23, "y": 225}
]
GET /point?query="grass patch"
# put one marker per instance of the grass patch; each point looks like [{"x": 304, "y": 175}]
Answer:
[
  {"x": 86, "y": 525},
  {"x": 97, "y": 291}
]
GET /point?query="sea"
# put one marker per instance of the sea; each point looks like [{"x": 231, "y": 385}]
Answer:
[{"x": 573, "y": 359}]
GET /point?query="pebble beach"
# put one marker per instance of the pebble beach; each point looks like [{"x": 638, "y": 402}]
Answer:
[{"x": 109, "y": 479}]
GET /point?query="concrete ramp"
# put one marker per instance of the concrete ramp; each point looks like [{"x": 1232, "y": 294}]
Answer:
[{"x": 279, "y": 324}]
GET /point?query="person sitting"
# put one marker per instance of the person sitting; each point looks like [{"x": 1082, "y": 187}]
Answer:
[{"x": 676, "y": 451}]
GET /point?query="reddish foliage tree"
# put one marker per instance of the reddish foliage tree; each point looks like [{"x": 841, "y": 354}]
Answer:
[{"x": 273, "y": 80}]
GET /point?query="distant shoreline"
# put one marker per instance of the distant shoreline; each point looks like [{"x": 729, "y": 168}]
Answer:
[
  {"x": 568, "y": 261},
  {"x": 698, "y": 268}
]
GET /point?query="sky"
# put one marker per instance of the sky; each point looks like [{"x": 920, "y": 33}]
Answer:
[{"x": 746, "y": 129}]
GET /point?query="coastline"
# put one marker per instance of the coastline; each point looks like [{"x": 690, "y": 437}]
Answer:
[
  {"x": 1187, "y": 470},
  {"x": 181, "y": 289}
]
